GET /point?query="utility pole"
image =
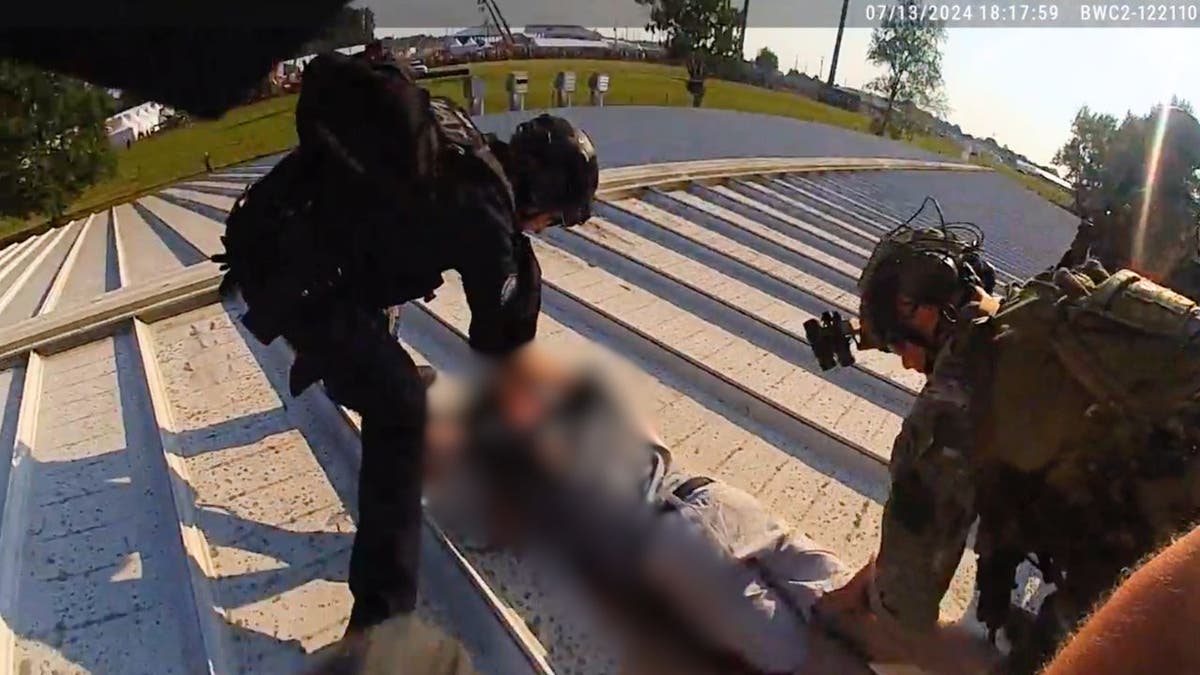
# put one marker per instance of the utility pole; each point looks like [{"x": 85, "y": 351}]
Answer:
[
  {"x": 498, "y": 17},
  {"x": 837, "y": 45},
  {"x": 742, "y": 36}
]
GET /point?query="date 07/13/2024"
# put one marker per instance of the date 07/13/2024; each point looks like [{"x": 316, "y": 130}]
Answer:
[
  {"x": 965, "y": 12},
  {"x": 1018, "y": 14}
]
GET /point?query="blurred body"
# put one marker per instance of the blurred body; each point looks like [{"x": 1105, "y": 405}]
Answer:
[{"x": 697, "y": 564}]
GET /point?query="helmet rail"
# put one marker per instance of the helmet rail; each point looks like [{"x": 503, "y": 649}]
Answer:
[{"x": 948, "y": 253}]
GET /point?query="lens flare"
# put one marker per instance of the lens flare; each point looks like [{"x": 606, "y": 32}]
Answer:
[{"x": 1152, "y": 162}]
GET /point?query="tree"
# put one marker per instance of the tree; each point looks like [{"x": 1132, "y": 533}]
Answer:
[
  {"x": 705, "y": 33},
  {"x": 1083, "y": 155},
  {"x": 766, "y": 60},
  {"x": 910, "y": 49},
  {"x": 708, "y": 27},
  {"x": 1139, "y": 185},
  {"x": 53, "y": 142}
]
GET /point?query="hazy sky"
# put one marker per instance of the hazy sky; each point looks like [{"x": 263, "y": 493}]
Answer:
[
  {"x": 1020, "y": 85},
  {"x": 1024, "y": 85}
]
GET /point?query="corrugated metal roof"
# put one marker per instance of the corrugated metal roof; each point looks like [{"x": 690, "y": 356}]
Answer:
[{"x": 170, "y": 508}]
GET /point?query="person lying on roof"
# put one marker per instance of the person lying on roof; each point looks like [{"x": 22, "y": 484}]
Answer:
[
  {"x": 697, "y": 575},
  {"x": 564, "y": 464}
]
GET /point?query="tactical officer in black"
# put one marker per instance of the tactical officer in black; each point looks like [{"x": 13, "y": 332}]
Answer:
[{"x": 388, "y": 189}]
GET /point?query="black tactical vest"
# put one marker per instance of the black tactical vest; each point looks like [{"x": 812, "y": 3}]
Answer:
[{"x": 376, "y": 172}]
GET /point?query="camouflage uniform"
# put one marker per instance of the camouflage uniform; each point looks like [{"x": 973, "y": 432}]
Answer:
[
  {"x": 1087, "y": 467},
  {"x": 932, "y": 501}
]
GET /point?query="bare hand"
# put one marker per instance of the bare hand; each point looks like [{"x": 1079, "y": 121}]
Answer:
[
  {"x": 847, "y": 614},
  {"x": 882, "y": 639}
]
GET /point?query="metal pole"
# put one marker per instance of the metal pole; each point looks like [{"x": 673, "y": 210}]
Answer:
[
  {"x": 508, "y": 35},
  {"x": 837, "y": 45}
]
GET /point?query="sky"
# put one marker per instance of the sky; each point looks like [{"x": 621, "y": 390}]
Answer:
[{"x": 1021, "y": 86}]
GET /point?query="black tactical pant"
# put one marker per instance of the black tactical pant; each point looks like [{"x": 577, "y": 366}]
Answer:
[{"x": 365, "y": 369}]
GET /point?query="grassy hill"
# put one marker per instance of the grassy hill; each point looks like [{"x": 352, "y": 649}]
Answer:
[{"x": 268, "y": 127}]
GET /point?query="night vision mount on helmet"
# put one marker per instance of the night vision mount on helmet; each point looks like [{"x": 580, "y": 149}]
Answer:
[{"x": 927, "y": 264}]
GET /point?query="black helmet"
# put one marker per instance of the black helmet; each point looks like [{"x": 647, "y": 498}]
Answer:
[
  {"x": 931, "y": 265},
  {"x": 557, "y": 170}
]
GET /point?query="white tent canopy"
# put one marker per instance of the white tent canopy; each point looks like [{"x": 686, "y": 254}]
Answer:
[
  {"x": 302, "y": 61},
  {"x": 136, "y": 122}
]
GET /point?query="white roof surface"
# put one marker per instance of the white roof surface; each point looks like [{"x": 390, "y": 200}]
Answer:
[
  {"x": 171, "y": 509},
  {"x": 568, "y": 43}
]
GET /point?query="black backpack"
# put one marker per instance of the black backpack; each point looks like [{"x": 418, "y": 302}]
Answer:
[
  {"x": 374, "y": 152},
  {"x": 371, "y": 121}
]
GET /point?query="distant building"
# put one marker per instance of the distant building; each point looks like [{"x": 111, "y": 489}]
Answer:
[
  {"x": 573, "y": 38},
  {"x": 803, "y": 84},
  {"x": 866, "y": 98},
  {"x": 548, "y": 31},
  {"x": 302, "y": 61},
  {"x": 570, "y": 43},
  {"x": 1032, "y": 169},
  {"x": 841, "y": 97},
  {"x": 418, "y": 46},
  {"x": 636, "y": 48},
  {"x": 652, "y": 48},
  {"x": 472, "y": 40}
]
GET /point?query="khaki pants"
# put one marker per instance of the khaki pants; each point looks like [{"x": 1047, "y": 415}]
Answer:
[{"x": 748, "y": 583}]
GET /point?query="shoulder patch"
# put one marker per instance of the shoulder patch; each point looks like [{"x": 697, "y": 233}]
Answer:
[
  {"x": 508, "y": 290},
  {"x": 585, "y": 144}
]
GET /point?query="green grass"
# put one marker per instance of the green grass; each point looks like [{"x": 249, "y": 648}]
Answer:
[
  {"x": 268, "y": 127},
  {"x": 251, "y": 131},
  {"x": 1047, "y": 190},
  {"x": 647, "y": 84}
]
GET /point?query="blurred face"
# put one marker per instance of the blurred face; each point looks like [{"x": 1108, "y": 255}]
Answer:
[
  {"x": 913, "y": 357},
  {"x": 532, "y": 388},
  {"x": 922, "y": 320},
  {"x": 528, "y": 388}
]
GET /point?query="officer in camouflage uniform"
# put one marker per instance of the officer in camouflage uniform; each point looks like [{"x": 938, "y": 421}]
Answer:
[{"x": 1064, "y": 415}]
